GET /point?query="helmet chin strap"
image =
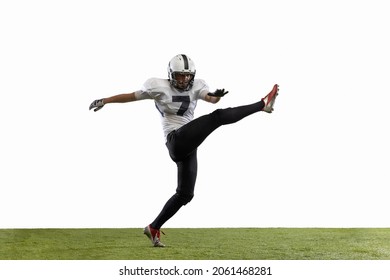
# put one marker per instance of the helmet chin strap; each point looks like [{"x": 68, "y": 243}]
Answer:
[
  {"x": 183, "y": 85},
  {"x": 175, "y": 84}
]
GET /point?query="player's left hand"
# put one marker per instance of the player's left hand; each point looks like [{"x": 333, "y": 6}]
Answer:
[{"x": 218, "y": 93}]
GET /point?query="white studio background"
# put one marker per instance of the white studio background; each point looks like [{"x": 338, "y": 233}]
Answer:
[{"x": 320, "y": 160}]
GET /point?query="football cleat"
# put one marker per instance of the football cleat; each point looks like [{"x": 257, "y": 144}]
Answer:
[
  {"x": 154, "y": 236},
  {"x": 269, "y": 99}
]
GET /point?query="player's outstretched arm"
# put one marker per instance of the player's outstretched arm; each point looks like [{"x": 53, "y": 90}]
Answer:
[{"x": 120, "y": 98}]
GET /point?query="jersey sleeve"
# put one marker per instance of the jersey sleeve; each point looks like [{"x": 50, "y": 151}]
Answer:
[
  {"x": 140, "y": 95},
  {"x": 149, "y": 90},
  {"x": 202, "y": 89}
]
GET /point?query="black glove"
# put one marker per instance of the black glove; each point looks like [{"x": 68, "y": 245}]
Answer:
[
  {"x": 97, "y": 104},
  {"x": 218, "y": 93}
]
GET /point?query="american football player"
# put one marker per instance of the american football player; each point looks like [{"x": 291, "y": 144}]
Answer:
[{"x": 176, "y": 99}]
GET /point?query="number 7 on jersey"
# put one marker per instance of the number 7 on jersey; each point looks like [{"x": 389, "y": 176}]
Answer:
[{"x": 185, "y": 103}]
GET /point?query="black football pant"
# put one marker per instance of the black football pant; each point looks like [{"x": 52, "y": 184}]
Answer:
[{"x": 182, "y": 145}]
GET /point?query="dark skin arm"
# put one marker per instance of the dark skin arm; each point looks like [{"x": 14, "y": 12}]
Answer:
[{"x": 120, "y": 98}]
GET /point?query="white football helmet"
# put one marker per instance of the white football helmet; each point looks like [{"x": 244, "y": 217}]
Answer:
[{"x": 184, "y": 65}]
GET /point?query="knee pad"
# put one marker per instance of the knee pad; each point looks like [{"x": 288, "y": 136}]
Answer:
[
  {"x": 184, "y": 198},
  {"x": 223, "y": 116},
  {"x": 217, "y": 114}
]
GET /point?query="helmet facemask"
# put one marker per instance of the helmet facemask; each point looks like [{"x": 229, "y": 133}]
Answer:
[{"x": 183, "y": 83}]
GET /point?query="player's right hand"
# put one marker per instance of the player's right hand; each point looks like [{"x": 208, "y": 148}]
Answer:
[{"x": 97, "y": 104}]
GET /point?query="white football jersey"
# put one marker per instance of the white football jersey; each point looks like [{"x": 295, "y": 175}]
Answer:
[{"x": 176, "y": 107}]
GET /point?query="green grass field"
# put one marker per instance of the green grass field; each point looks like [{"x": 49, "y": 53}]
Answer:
[{"x": 197, "y": 244}]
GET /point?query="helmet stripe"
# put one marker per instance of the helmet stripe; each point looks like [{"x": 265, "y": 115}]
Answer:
[{"x": 185, "y": 59}]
